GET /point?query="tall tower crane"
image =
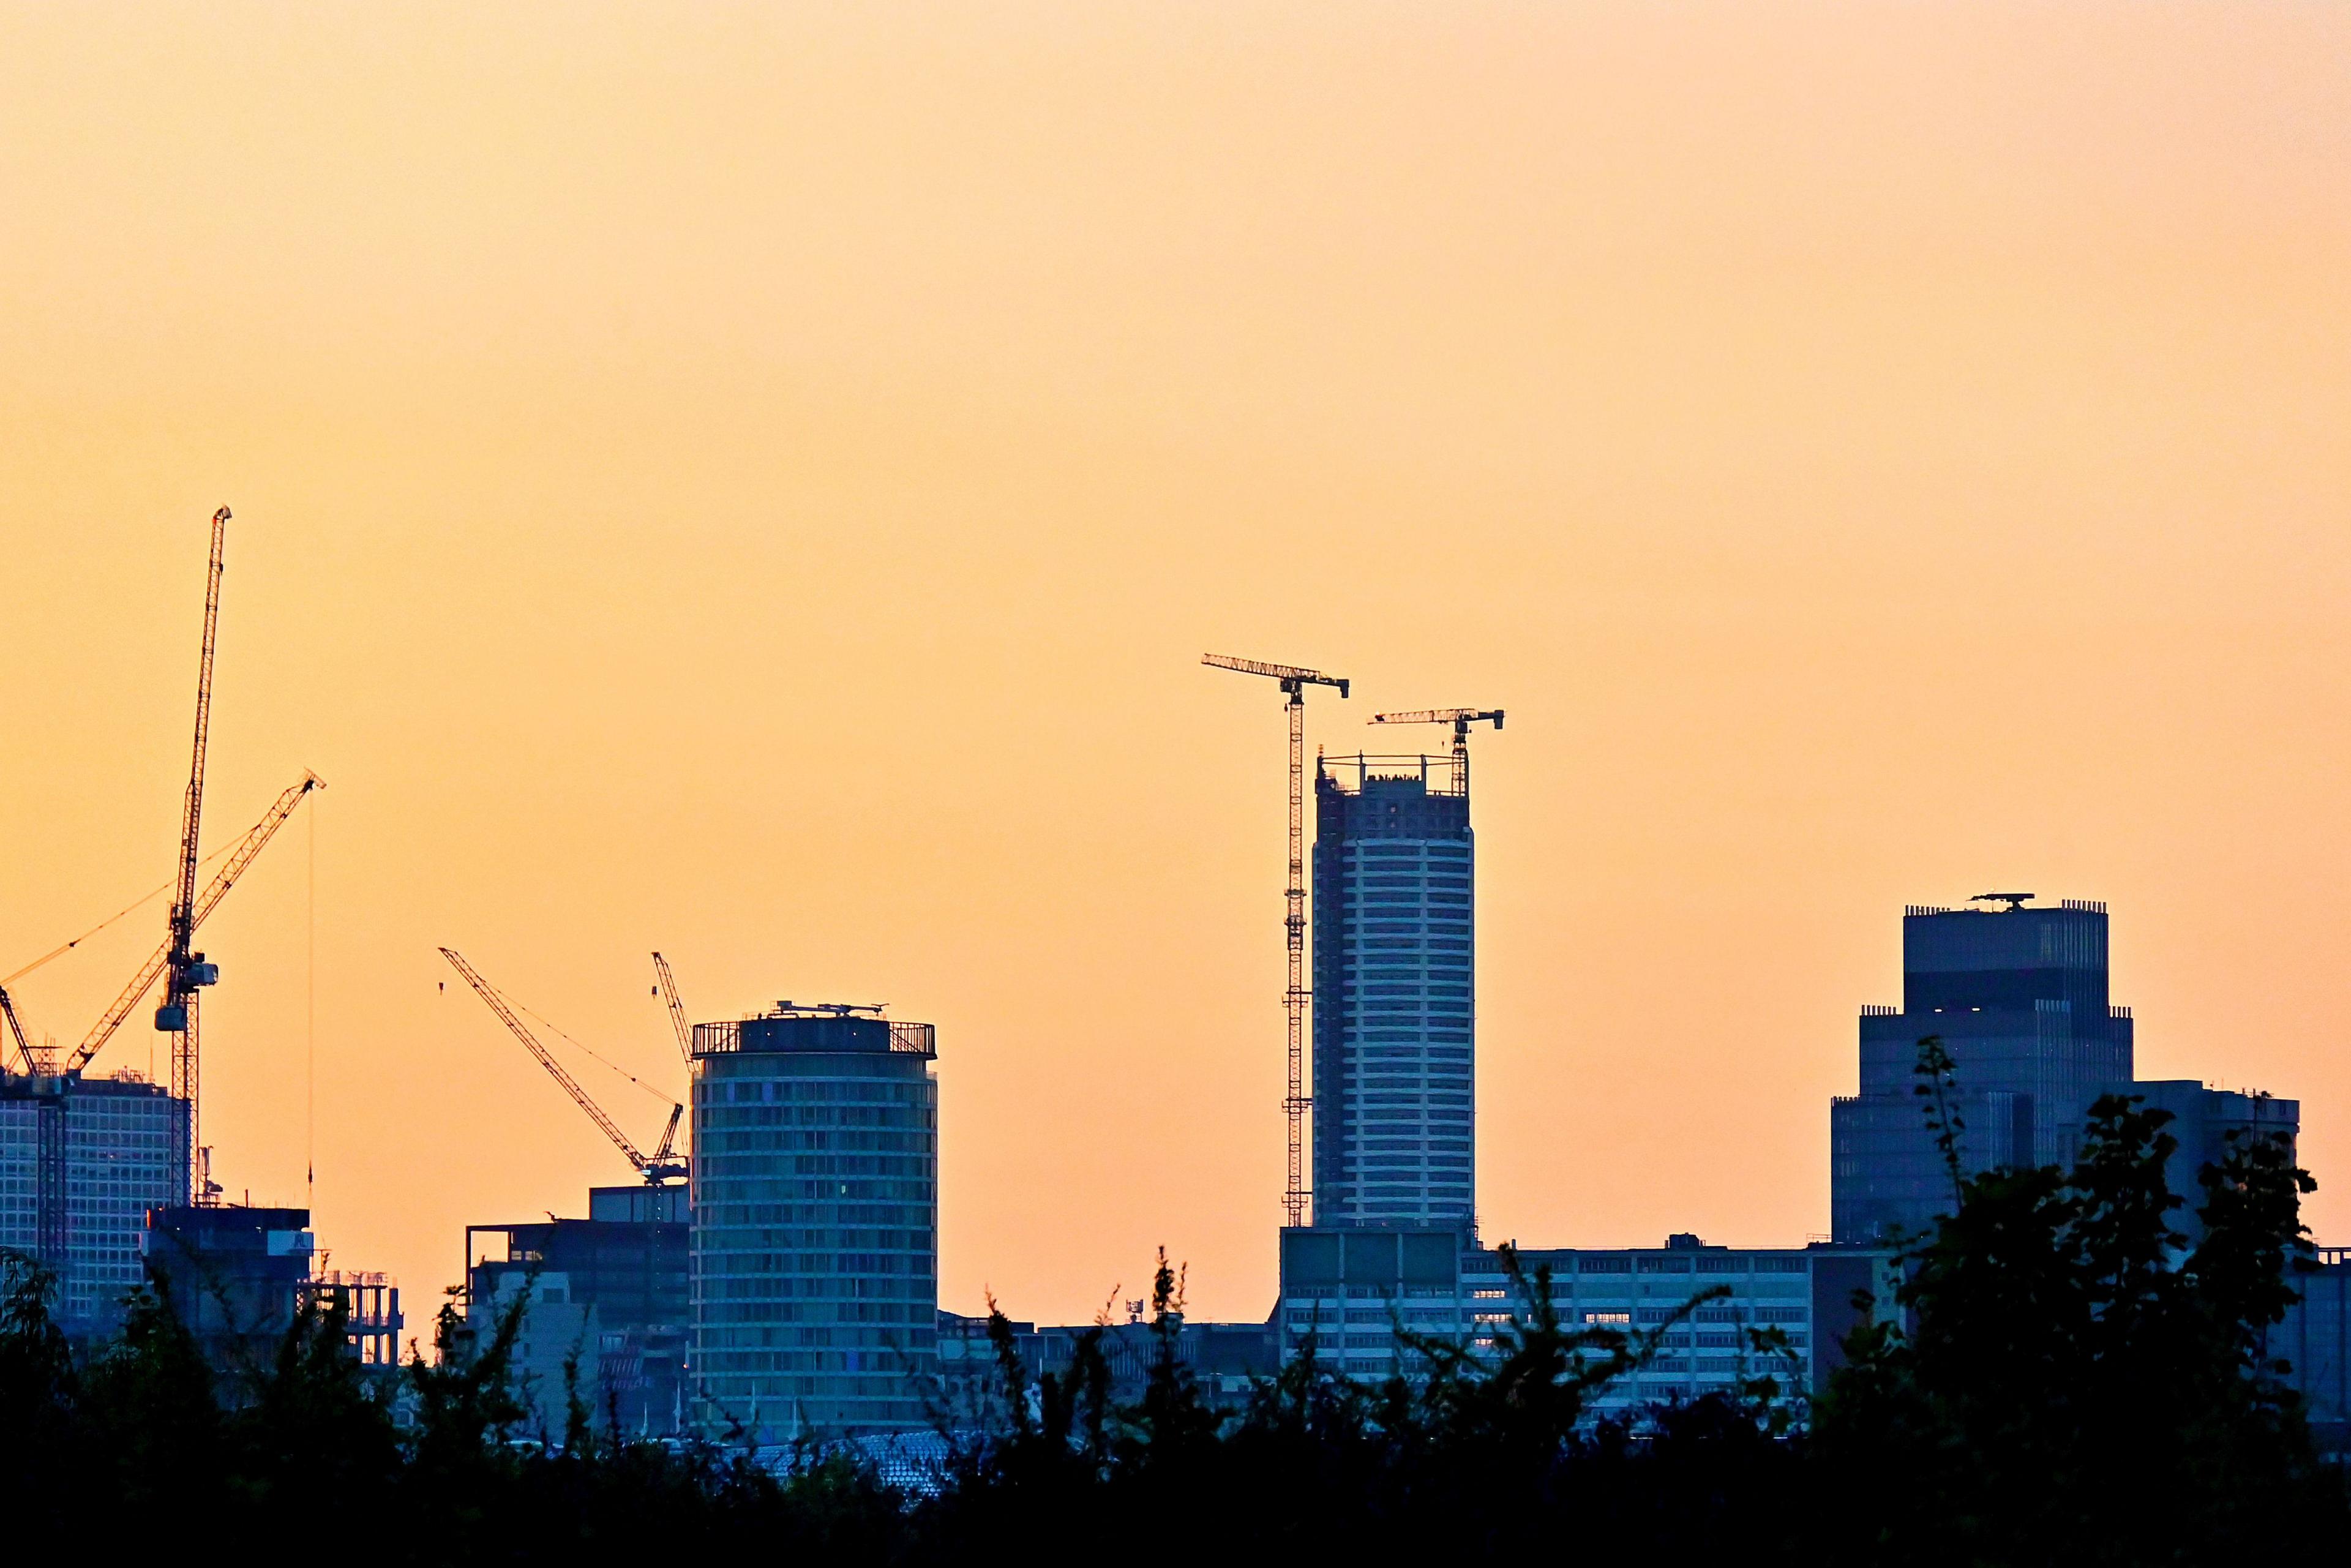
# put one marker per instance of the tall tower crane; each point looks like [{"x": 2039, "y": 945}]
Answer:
[
  {"x": 667, "y": 986},
  {"x": 50, "y": 1177},
  {"x": 186, "y": 972},
  {"x": 662, "y": 1167},
  {"x": 1460, "y": 719},
  {"x": 1294, "y": 682}
]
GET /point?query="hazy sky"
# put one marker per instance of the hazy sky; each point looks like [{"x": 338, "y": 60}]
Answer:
[{"x": 756, "y": 482}]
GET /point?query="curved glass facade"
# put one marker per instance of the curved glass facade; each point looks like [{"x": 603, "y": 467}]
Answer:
[{"x": 815, "y": 1241}]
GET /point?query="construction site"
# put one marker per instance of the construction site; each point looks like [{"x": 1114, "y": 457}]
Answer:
[{"x": 105, "y": 1178}]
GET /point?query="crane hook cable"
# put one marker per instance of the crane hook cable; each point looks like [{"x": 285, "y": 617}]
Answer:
[{"x": 591, "y": 1050}]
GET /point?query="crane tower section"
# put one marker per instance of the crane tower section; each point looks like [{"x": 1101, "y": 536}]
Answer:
[{"x": 1294, "y": 680}]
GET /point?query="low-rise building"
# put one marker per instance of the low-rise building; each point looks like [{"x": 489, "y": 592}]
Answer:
[
  {"x": 1365, "y": 1295},
  {"x": 1223, "y": 1359},
  {"x": 608, "y": 1298},
  {"x": 239, "y": 1276}
]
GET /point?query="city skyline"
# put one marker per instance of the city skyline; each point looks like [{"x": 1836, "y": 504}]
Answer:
[{"x": 722, "y": 565}]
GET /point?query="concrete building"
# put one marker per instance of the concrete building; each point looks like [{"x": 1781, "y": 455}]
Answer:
[
  {"x": 608, "y": 1300},
  {"x": 815, "y": 1237},
  {"x": 2019, "y": 998},
  {"x": 118, "y": 1147},
  {"x": 1395, "y": 1081},
  {"x": 1353, "y": 1289}
]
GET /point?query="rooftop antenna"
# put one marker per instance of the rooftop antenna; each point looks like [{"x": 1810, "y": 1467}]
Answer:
[{"x": 2015, "y": 901}]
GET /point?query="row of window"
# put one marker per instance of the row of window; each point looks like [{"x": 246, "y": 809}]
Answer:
[
  {"x": 715, "y": 1208},
  {"x": 840, "y": 1338},
  {"x": 798, "y": 1140},
  {"x": 799, "y": 1091},
  {"x": 767, "y": 1115},
  {"x": 822, "y": 1165},
  {"x": 819, "y": 1321}
]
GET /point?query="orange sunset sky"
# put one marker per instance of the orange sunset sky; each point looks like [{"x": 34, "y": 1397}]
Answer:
[{"x": 756, "y": 482}]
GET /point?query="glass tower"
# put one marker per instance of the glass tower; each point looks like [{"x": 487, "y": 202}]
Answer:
[
  {"x": 125, "y": 1151},
  {"x": 815, "y": 1237},
  {"x": 1395, "y": 1081},
  {"x": 2019, "y": 998}
]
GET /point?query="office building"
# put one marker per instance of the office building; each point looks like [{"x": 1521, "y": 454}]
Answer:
[
  {"x": 2019, "y": 997},
  {"x": 1395, "y": 1083},
  {"x": 815, "y": 1235},
  {"x": 1364, "y": 1293},
  {"x": 608, "y": 1310},
  {"x": 115, "y": 1147},
  {"x": 2203, "y": 1123}
]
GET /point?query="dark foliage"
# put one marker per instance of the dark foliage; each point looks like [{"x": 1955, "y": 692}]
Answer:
[{"x": 2065, "y": 1380}]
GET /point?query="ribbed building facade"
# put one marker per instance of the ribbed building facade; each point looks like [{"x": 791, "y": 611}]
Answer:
[
  {"x": 1395, "y": 1081},
  {"x": 815, "y": 1233}
]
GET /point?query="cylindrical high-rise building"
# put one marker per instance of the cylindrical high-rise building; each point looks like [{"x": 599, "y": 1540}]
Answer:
[{"x": 815, "y": 1248}]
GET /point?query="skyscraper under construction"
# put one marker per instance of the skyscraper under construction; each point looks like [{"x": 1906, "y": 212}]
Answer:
[{"x": 1394, "y": 1018}]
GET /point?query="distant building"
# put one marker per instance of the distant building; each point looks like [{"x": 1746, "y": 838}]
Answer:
[
  {"x": 118, "y": 1147},
  {"x": 608, "y": 1300},
  {"x": 235, "y": 1275},
  {"x": 1351, "y": 1289},
  {"x": 2019, "y": 998},
  {"x": 2203, "y": 1121},
  {"x": 1223, "y": 1359},
  {"x": 2315, "y": 1341},
  {"x": 1394, "y": 1079},
  {"x": 815, "y": 1238}
]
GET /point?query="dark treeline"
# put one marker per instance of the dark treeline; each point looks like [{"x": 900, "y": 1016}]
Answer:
[{"x": 2064, "y": 1382}]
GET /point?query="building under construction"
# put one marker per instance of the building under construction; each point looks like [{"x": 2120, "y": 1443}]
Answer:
[
  {"x": 240, "y": 1278},
  {"x": 84, "y": 1160},
  {"x": 1394, "y": 988}
]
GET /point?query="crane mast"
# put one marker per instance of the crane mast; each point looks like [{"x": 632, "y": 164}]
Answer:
[
  {"x": 187, "y": 973},
  {"x": 1295, "y": 996},
  {"x": 661, "y": 1165}
]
